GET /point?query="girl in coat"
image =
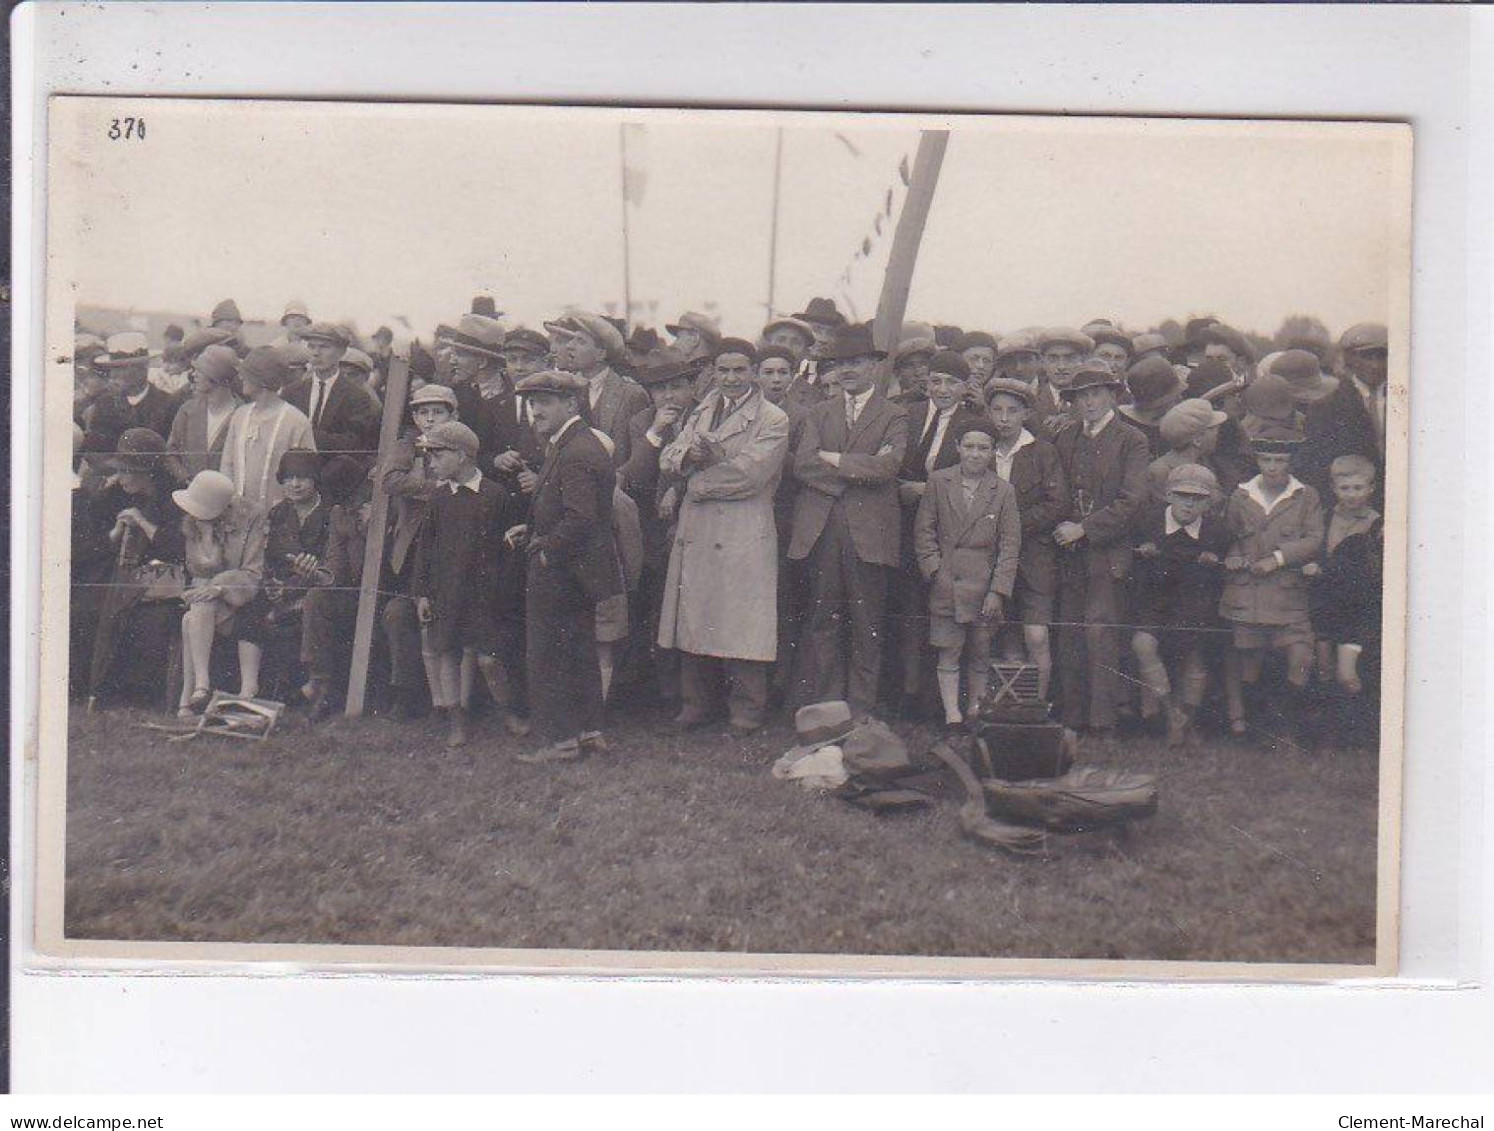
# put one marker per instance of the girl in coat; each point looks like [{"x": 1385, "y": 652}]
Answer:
[{"x": 967, "y": 536}]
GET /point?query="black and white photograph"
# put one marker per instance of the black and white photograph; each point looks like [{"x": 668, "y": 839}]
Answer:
[{"x": 704, "y": 541}]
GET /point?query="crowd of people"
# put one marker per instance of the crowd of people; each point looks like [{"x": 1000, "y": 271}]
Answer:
[{"x": 1176, "y": 533}]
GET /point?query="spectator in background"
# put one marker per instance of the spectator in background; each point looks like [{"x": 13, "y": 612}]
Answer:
[
  {"x": 261, "y": 431},
  {"x": 200, "y": 427},
  {"x": 343, "y": 413},
  {"x": 126, "y": 362},
  {"x": 293, "y": 323},
  {"x": 587, "y": 344}
]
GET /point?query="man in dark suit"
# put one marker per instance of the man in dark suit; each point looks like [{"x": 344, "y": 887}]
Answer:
[
  {"x": 935, "y": 421},
  {"x": 344, "y": 415},
  {"x": 846, "y": 522},
  {"x": 572, "y": 565},
  {"x": 126, "y": 362},
  {"x": 1033, "y": 469},
  {"x": 1339, "y": 423},
  {"x": 587, "y": 345},
  {"x": 1105, "y": 462}
]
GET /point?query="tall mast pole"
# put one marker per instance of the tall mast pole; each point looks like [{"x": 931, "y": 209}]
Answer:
[
  {"x": 622, "y": 155},
  {"x": 773, "y": 236}
]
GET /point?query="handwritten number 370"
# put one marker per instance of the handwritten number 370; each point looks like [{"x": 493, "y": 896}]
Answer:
[{"x": 127, "y": 129}]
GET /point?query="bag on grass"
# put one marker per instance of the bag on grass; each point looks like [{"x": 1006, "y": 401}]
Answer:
[{"x": 1081, "y": 799}]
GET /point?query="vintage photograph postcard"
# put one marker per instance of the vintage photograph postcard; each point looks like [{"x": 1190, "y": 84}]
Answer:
[{"x": 723, "y": 542}]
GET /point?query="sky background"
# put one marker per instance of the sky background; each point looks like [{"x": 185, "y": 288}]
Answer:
[{"x": 372, "y": 212}]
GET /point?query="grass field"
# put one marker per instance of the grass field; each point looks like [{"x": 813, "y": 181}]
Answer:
[{"x": 364, "y": 831}]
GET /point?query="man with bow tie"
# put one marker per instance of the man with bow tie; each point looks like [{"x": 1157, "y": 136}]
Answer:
[
  {"x": 721, "y": 593},
  {"x": 846, "y": 522}
]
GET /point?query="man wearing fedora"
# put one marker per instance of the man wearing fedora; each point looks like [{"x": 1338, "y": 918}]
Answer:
[
  {"x": 572, "y": 565},
  {"x": 126, "y": 363},
  {"x": 721, "y": 593},
  {"x": 1104, "y": 460},
  {"x": 343, "y": 413},
  {"x": 587, "y": 345},
  {"x": 1335, "y": 421},
  {"x": 846, "y": 522}
]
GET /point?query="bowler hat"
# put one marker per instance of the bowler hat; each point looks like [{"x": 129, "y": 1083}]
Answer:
[
  {"x": 1011, "y": 387},
  {"x": 1155, "y": 387},
  {"x": 822, "y": 312},
  {"x": 643, "y": 339},
  {"x": 735, "y": 345},
  {"x": 819, "y": 724},
  {"x": 661, "y": 369},
  {"x": 138, "y": 449},
  {"x": 434, "y": 394},
  {"x": 1185, "y": 421},
  {"x": 127, "y": 348},
  {"x": 527, "y": 341},
  {"x": 226, "y": 311},
  {"x": 207, "y": 496},
  {"x": 1192, "y": 479},
  {"x": 947, "y": 361},
  {"x": 484, "y": 306},
  {"x": 1364, "y": 336},
  {"x": 199, "y": 340},
  {"x": 1092, "y": 375},
  {"x": 793, "y": 323},
  {"x": 266, "y": 366},
  {"x": 1269, "y": 397},
  {"x": 1066, "y": 336},
  {"x": 1207, "y": 375},
  {"x": 703, "y": 324},
  {"x": 325, "y": 332},
  {"x": 554, "y": 381},
  {"x": 300, "y": 462},
  {"x": 449, "y": 434},
  {"x": 1302, "y": 373},
  {"x": 851, "y": 342}
]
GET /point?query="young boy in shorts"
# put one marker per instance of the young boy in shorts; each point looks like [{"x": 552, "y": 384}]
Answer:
[
  {"x": 1276, "y": 527},
  {"x": 1179, "y": 578}
]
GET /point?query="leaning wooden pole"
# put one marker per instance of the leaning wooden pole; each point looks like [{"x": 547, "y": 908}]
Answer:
[
  {"x": 395, "y": 390},
  {"x": 893, "y": 303}
]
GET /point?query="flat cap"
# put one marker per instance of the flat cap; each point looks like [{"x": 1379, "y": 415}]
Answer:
[
  {"x": 479, "y": 334},
  {"x": 326, "y": 332},
  {"x": 1276, "y": 436},
  {"x": 790, "y": 323},
  {"x": 1092, "y": 375},
  {"x": 1192, "y": 479},
  {"x": 914, "y": 347},
  {"x": 1066, "y": 336},
  {"x": 976, "y": 339},
  {"x": 295, "y": 307},
  {"x": 1365, "y": 336},
  {"x": 1101, "y": 331},
  {"x": 1148, "y": 343},
  {"x": 450, "y": 434},
  {"x": 434, "y": 394},
  {"x": 525, "y": 340},
  {"x": 735, "y": 345},
  {"x": 951, "y": 363},
  {"x": 1011, "y": 387},
  {"x": 1015, "y": 343},
  {"x": 703, "y": 324},
  {"x": 358, "y": 359},
  {"x": 606, "y": 336},
  {"x": 552, "y": 381},
  {"x": 1185, "y": 421}
]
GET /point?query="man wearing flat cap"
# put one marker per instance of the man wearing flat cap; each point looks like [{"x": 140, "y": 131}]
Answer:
[
  {"x": 587, "y": 345},
  {"x": 1365, "y": 352},
  {"x": 720, "y": 607},
  {"x": 1063, "y": 350},
  {"x": 344, "y": 415},
  {"x": 847, "y": 523},
  {"x": 695, "y": 335},
  {"x": 1105, "y": 462},
  {"x": 485, "y": 397},
  {"x": 1112, "y": 344},
  {"x": 572, "y": 565},
  {"x": 126, "y": 362},
  {"x": 793, "y": 334}
]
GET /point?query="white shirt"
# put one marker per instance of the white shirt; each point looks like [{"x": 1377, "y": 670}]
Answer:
[
  {"x": 1253, "y": 489},
  {"x": 472, "y": 483},
  {"x": 563, "y": 429},
  {"x": 854, "y": 405},
  {"x": 321, "y": 392},
  {"x": 1374, "y": 401},
  {"x": 217, "y": 418},
  {"x": 940, "y": 418},
  {"x": 1093, "y": 430},
  {"x": 1171, "y": 525},
  {"x": 1002, "y": 463},
  {"x": 136, "y": 398},
  {"x": 594, "y": 389}
]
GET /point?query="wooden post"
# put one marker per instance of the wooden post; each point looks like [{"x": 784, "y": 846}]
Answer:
[
  {"x": 893, "y": 303},
  {"x": 373, "y": 552}
]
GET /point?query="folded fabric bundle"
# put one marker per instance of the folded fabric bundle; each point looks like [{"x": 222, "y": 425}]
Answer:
[{"x": 1082, "y": 799}]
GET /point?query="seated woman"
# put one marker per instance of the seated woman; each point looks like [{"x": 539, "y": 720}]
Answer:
[
  {"x": 127, "y": 555},
  {"x": 295, "y": 552},
  {"x": 224, "y": 536}
]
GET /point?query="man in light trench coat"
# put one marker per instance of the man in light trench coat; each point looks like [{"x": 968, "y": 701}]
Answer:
[{"x": 721, "y": 592}]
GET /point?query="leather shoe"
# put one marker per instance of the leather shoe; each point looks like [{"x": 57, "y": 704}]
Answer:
[{"x": 567, "y": 750}]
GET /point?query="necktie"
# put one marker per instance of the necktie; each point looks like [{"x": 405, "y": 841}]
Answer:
[
  {"x": 319, "y": 400},
  {"x": 719, "y": 414},
  {"x": 850, "y": 413}
]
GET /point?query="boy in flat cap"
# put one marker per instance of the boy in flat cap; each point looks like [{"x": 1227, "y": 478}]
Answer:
[
  {"x": 978, "y": 348},
  {"x": 1180, "y": 576},
  {"x": 1105, "y": 462},
  {"x": 1035, "y": 472},
  {"x": 846, "y": 523},
  {"x": 344, "y": 415},
  {"x": 572, "y": 566},
  {"x": 1062, "y": 351},
  {"x": 455, "y": 579},
  {"x": 1276, "y": 526},
  {"x": 968, "y": 537},
  {"x": 1190, "y": 429}
]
